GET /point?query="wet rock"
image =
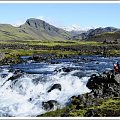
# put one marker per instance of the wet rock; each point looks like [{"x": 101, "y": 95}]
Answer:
[
  {"x": 4, "y": 75},
  {"x": 36, "y": 57},
  {"x": 55, "y": 86},
  {"x": 93, "y": 82},
  {"x": 42, "y": 57},
  {"x": 67, "y": 70},
  {"x": 96, "y": 80},
  {"x": 79, "y": 74},
  {"x": 64, "y": 69},
  {"x": 104, "y": 85},
  {"x": 51, "y": 104},
  {"x": 17, "y": 74},
  {"x": 54, "y": 62},
  {"x": 30, "y": 99}
]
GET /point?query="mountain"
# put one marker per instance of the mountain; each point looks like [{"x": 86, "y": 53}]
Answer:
[
  {"x": 33, "y": 29},
  {"x": 75, "y": 29},
  {"x": 75, "y": 32},
  {"x": 36, "y": 29},
  {"x": 8, "y": 32},
  {"x": 93, "y": 33}
]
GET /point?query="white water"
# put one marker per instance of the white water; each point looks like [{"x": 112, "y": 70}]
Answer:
[{"x": 15, "y": 95}]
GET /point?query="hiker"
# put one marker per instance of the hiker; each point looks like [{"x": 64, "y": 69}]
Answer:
[{"x": 117, "y": 68}]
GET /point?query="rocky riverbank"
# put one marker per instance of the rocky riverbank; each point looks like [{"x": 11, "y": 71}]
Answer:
[
  {"x": 11, "y": 51},
  {"x": 102, "y": 101}
]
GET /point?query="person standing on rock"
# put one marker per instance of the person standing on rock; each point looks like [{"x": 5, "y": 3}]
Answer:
[{"x": 117, "y": 68}]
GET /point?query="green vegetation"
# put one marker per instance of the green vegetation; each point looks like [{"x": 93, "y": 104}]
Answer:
[
  {"x": 108, "y": 36},
  {"x": 8, "y": 32},
  {"x": 13, "y": 49},
  {"x": 64, "y": 48},
  {"x": 36, "y": 37},
  {"x": 51, "y": 43},
  {"x": 105, "y": 108}
]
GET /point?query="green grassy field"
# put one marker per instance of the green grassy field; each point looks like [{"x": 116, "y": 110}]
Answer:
[
  {"x": 33, "y": 43},
  {"x": 13, "y": 49},
  {"x": 50, "y": 43}
]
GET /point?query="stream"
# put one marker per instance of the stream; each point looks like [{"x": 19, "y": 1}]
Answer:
[{"x": 22, "y": 96}]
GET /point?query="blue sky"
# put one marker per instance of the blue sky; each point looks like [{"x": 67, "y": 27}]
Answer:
[{"x": 87, "y": 15}]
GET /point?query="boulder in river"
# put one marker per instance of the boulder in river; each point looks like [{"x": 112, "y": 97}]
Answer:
[
  {"x": 55, "y": 86},
  {"x": 64, "y": 69},
  {"x": 16, "y": 74},
  {"x": 4, "y": 75},
  {"x": 51, "y": 104}
]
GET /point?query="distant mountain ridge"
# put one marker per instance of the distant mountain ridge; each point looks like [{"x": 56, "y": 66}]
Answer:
[
  {"x": 33, "y": 29},
  {"x": 92, "y": 33},
  {"x": 36, "y": 29}
]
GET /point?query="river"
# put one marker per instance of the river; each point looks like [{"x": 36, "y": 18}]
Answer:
[{"x": 23, "y": 96}]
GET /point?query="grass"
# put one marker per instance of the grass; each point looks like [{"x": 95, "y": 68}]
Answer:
[
  {"x": 14, "y": 53},
  {"x": 106, "y": 108},
  {"x": 22, "y": 52},
  {"x": 16, "y": 48},
  {"x": 8, "y": 32},
  {"x": 51, "y": 43}
]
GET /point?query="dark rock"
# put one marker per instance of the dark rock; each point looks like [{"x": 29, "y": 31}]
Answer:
[
  {"x": 92, "y": 113},
  {"x": 4, "y": 75},
  {"x": 17, "y": 74},
  {"x": 64, "y": 69},
  {"x": 104, "y": 85},
  {"x": 30, "y": 99},
  {"x": 54, "y": 62},
  {"x": 93, "y": 82},
  {"x": 55, "y": 86},
  {"x": 96, "y": 81},
  {"x": 79, "y": 74},
  {"x": 50, "y": 105},
  {"x": 36, "y": 57}
]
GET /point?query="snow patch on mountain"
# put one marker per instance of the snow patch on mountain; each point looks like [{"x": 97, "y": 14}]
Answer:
[{"x": 76, "y": 27}]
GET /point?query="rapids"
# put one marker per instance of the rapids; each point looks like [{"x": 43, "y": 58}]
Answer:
[{"x": 23, "y": 96}]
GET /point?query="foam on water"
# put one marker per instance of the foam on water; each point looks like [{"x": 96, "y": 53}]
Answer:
[{"x": 24, "y": 96}]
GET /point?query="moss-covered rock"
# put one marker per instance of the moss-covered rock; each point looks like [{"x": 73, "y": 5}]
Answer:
[
  {"x": 109, "y": 107},
  {"x": 100, "y": 102}
]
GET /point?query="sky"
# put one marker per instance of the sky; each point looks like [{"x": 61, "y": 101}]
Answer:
[{"x": 63, "y": 14}]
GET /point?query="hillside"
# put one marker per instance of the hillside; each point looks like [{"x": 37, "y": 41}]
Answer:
[
  {"x": 33, "y": 29},
  {"x": 9, "y": 32},
  {"x": 99, "y": 34},
  {"x": 36, "y": 29}
]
